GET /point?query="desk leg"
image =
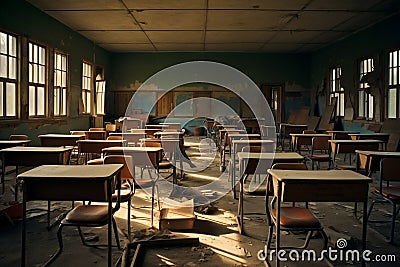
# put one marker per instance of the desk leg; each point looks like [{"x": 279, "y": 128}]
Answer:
[
  {"x": 240, "y": 205},
  {"x": 3, "y": 170},
  {"x": 23, "y": 238},
  {"x": 364, "y": 231},
  {"x": 109, "y": 219}
]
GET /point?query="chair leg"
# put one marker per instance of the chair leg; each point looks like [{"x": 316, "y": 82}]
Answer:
[
  {"x": 370, "y": 209},
  {"x": 114, "y": 226},
  {"x": 129, "y": 219},
  {"x": 82, "y": 237},
  {"x": 60, "y": 247},
  {"x": 393, "y": 223},
  {"x": 309, "y": 235}
]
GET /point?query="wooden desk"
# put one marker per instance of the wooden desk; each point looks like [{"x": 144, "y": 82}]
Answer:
[
  {"x": 60, "y": 139},
  {"x": 237, "y": 146},
  {"x": 384, "y": 137},
  {"x": 69, "y": 182},
  {"x": 176, "y": 134},
  {"x": 157, "y": 126},
  {"x": 96, "y": 146},
  {"x": 131, "y": 138},
  {"x": 370, "y": 160},
  {"x": 285, "y": 129},
  {"x": 306, "y": 138},
  {"x": 263, "y": 161},
  {"x": 12, "y": 143},
  {"x": 350, "y": 146},
  {"x": 320, "y": 186},
  {"x": 32, "y": 156},
  {"x": 341, "y": 135}
]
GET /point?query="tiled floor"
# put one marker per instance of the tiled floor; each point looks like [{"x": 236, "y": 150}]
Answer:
[{"x": 221, "y": 244}]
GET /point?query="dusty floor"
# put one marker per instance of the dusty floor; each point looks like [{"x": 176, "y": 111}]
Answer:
[{"x": 220, "y": 242}]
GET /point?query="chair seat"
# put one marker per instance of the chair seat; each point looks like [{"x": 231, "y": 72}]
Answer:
[
  {"x": 144, "y": 183},
  {"x": 391, "y": 192},
  {"x": 125, "y": 195},
  {"x": 88, "y": 214},
  {"x": 96, "y": 161},
  {"x": 165, "y": 164},
  {"x": 296, "y": 217}
]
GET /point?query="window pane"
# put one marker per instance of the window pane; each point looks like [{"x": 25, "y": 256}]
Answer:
[
  {"x": 88, "y": 107},
  {"x": 32, "y": 101},
  {"x": 3, "y": 43},
  {"x": 361, "y": 103},
  {"x": 12, "y": 46},
  {"x": 3, "y": 66},
  {"x": 64, "y": 79},
  {"x": 370, "y": 106},
  {"x": 40, "y": 101},
  {"x": 395, "y": 78},
  {"x": 11, "y": 99},
  {"x": 341, "y": 98},
  {"x": 392, "y": 103},
  {"x": 56, "y": 101},
  {"x": 12, "y": 71},
  {"x": 64, "y": 102},
  {"x": 1, "y": 99}
]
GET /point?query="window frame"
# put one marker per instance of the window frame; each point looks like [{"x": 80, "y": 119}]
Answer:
[
  {"x": 87, "y": 81},
  {"x": 62, "y": 99},
  {"x": 393, "y": 83},
  {"x": 365, "y": 99},
  {"x": 4, "y": 81},
  {"x": 334, "y": 83},
  {"x": 36, "y": 84}
]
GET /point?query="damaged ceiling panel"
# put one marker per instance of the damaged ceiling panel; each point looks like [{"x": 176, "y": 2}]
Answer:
[{"x": 285, "y": 26}]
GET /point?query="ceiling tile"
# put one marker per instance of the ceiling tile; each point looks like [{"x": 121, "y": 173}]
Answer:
[
  {"x": 239, "y": 47},
  {"x": 96, "y": 20},
  {"x": 281, "y": 48},
  {"x": 128, "y": 47},
  {"x": 171, "y": 19},
  {"x": 360, "y": 21},
  {"x": 257, "y": 4},
  {"x": 342, "y": 5},
  {"x": 77, "y": 4},
  {"x": 179, "y": 47},
  {"x": 115, "y": 37},
  {"x": 327, "y": 37},
  {"x": 175, "y": 36},
  {"x": 318, "y": 20},
  {"x": 162, "y": 4},
  {"x": 238, "y": 36},
  {"x": 246, "y": 20},
  {"x": 294, "y": 36},
  {"x": 309, "y": 48}
]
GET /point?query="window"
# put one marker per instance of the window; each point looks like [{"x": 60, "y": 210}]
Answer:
[
  {"x": 37, "y": 80},
  {"x": 8, "y": 76},
  {"x": 100, "y": 94},
  {"x": 393, "y": 85},
  {"x": 365, "y": 99},
  {"x": 87, "y": 87},
  {"x": 336, "y": 90},
  {"x": 60, "y": 84}
]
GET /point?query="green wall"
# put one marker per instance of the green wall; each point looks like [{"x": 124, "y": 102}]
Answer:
[
  {"x": 20, "y": 17},
  {"x": 374, "y": 42}
]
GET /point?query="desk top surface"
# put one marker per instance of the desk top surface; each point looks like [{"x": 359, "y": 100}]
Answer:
[
  {"x": 378, "y": 153},
  {"x": 312, "y": 175},
  {"x": 240, "y": 135},
  {"x": 102, "y": 171},
  {"x": 128, "y": 134},
  {"x": 16, "y": 142},
  {"x": 369, "y": 134},
  {"x": 72, "y": 136},
  {"x": 336, "y": 141},
  {"x": 266, "y": 155},
  {"x": 293, "y": 125},
  {"x": 42, "y": 149},
  {"x": 101, "y": 141},
  {"x": 344, "y": 132},
  {"x": 309, "y": 135},
  {"x": 261, "y": 141},
  {"x": 132, "y": 149}
]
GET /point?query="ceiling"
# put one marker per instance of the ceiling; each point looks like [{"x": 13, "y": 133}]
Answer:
[{"x": 277, "y": 26}]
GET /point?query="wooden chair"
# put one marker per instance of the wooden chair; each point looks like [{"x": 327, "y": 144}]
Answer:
[
  {"x": 19, "y": 137},
  {"x": 320, "y": 151},
  {"x": 95, "y": 135},
  {"x": 114, "y": 137},
  {"x": 96, "y": 129},
  {"x": 388, "y": 192},
  {"x": 291, "y": 219}
]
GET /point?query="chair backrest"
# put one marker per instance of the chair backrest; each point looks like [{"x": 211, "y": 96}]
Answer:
[
  {"x": 95, "y": 135},
  {"x": 289, "y": 166},
  {"x": 256, "y": 149},
  {"x": 320, "y": 143},
  {"x": 18, "y": 137},
  {"x": 77, "y": 132},
  {"x": 114, "y": 137},
  {"x": 128, "y": 171},
  {"x": 96, "y": 129},
  {"x": 389, "y": 169},
  {"x": 111, "y": 127},
  {"x": 309, "y": 132}
]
